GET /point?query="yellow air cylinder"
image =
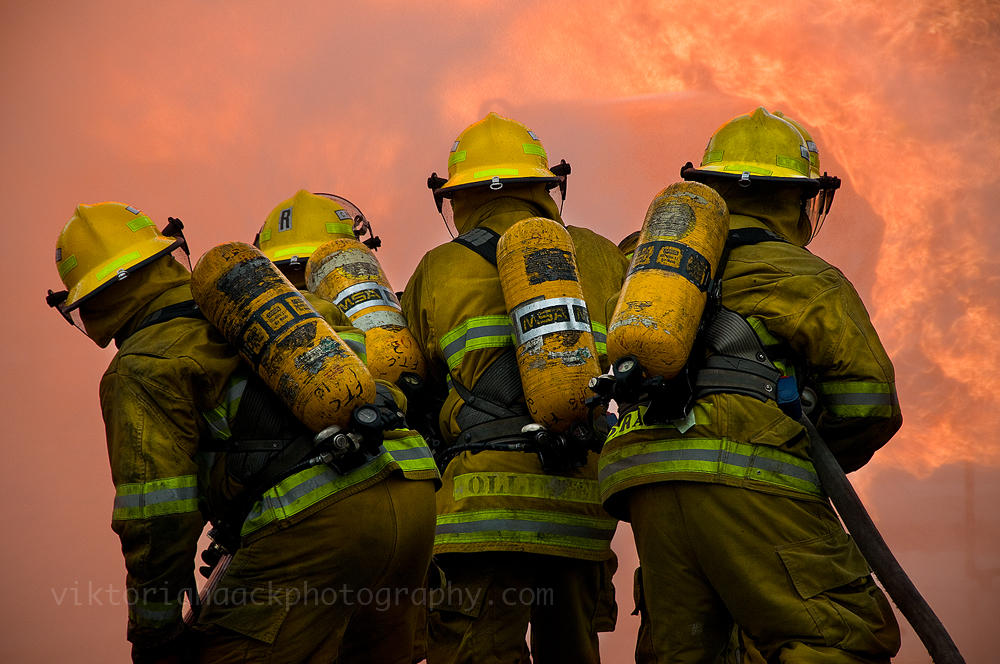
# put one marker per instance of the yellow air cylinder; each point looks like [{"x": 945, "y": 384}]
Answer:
[
  {"x": 666, "y": 286},
  {"x": 556, "y": 355},
  {"x": 346, "y": 272},
  {"x": 280, "y": 335}
]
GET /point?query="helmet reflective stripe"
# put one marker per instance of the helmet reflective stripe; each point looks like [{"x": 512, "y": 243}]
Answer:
[
  {"x": 680, "y": 458},
  {"x": 173, "y": 495}
]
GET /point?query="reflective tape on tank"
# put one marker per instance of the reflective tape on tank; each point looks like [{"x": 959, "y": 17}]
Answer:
[
  {"x": 360, "y": 296},
  {"x": 541, "y": 317},
  {"x": 708, "y": 457},
  {"x": 171, "y": 495},
  {"x": 537, "y": 527},
  {"x": 526, "y": 485},
  {"x": 859, "y": 399},
  {"x": 308, "y": 487},
  {"x": 672, "y": 257}
]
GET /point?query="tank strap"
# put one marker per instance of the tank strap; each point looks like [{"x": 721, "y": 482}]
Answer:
[
  {"x": 739, "y": 237},
  {"x": 186, "y": 309},
  {"x": 483, "y": 241},
  {"x": 495, "y": 395},
  {"x": 268, "y": 443},
  {"x": 738, "y": 362}
]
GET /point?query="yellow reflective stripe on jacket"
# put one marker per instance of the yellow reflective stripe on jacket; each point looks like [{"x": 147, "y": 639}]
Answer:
[
  {"x": 308, "y": 487},
  {"x": 473, "y": 333},
  {"x": 496, "y": 332},
  {"x": 155, "y": 615},
  {"x": 356, "y": 342},
  {"x": 859, "y": 399},
  {"x": 710, "y": 457},
  {"x": 219, "y": 417},
  {"x": 526, "y": 485},
  {"x": 600, "y": 337},
  {"x": 172, "y": 495},
  {"x": 537, "y": 527}
]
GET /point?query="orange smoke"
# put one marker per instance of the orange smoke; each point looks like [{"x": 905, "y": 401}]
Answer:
[{"x": 903, "y": 96}]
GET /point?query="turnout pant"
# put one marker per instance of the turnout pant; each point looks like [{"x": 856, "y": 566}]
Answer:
[
  {"x": 783, "y": 569},
  {"x": 336, "y": 585},
  {"x": 489, "y": 599}
]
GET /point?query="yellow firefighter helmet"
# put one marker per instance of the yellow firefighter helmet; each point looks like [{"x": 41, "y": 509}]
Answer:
[
  {"x": 297, "y": 226},
  {"x": 763, "y": 147},
  {"x": 814, "y": 171},
  {"x": 103, "y": 244},
  {"x": 494, "y": 152}
]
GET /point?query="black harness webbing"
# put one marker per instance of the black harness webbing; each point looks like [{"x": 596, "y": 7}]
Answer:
[
  {"x": 738, "y": 362},
  {"x": 483, "y": 241},
  {"x": 186, "y": 309},
  {"x": 493, "y": 413}
]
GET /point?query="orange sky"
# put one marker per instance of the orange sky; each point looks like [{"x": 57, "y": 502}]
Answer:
[{"x": 215, "y": 111}]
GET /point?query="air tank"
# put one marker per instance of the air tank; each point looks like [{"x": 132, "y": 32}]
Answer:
[
  {"x": 280, "y": 335},
  {"x": 666, "y": 286},
  {"x": 346, "y": 272},
  {"x": 556, "y": 355}
]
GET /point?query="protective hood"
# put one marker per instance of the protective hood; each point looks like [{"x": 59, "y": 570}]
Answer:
[
  {"x": 780, "y": 209},
  {"x": 108, "y": 313},
  {"x": 473, "y": 206}
]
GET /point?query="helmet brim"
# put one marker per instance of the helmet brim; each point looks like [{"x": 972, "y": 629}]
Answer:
[
  {"x": 809, "y": 186},
  {"x": 100, "y": 278}
]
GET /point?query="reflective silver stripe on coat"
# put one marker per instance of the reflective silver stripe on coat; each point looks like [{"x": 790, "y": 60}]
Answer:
[{"x": 518, "y": 525}]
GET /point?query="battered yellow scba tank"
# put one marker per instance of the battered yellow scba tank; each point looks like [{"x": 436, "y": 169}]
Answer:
[
  {"x": 346, "y": 272},
  {"x": 275, "y": 329},
  {"x": 556, "y": 355},
  {"x": 666, "y": 286}
]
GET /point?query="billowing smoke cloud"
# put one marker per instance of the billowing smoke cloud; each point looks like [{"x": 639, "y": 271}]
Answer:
[
  {"x": 904, "y": 98},
  {"x": 215, "y": 112}
]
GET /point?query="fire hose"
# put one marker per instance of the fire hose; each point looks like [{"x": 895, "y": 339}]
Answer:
[{"x": 890, "y": 573}]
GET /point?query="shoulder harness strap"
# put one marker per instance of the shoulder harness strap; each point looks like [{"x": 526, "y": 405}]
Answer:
[
  {"x": 738, "y": 362},
  {"x": 483, "y": 241},
  {"x": 186, "y": 309}
]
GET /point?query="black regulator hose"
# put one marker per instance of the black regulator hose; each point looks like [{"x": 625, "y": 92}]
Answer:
[{"x": 911, "y": 603}]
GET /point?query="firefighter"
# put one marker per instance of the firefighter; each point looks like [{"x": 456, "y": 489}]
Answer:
[
  {"x": 296, "y": 228},
  {"x": 192, "y": 434},
  {"x": 730, "y": 522},
  {"x": 517, "y": 541}
]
